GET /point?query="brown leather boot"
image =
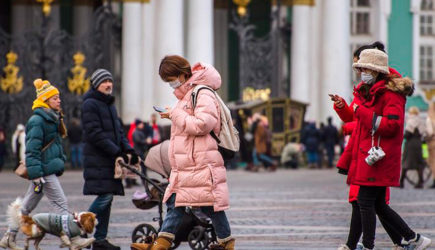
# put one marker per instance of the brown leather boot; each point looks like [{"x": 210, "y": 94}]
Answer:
[
  {"x": 228, "y": 245},
  {"x": 161, "y": 243}
]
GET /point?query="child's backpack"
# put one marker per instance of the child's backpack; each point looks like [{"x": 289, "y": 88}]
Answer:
[{"x": 228, "y": 139}]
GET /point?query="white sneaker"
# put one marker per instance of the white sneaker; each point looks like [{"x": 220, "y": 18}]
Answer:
[
  {"x": 343, "y": 247},
  {"x": 359, "y": 246},
  {"x": 420, "y": 244}
]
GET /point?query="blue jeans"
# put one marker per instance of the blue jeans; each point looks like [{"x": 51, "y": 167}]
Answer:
[
  {"x": 174, "y": 217},
  {"x": 261, "y": 157},
  {"x": 76, "y": 155},
  {"x": 330, "y": 153},
  {"x": 101, "y": 207}
]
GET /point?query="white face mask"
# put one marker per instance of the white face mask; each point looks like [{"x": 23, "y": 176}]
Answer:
[
  {"x": 175, "y": 84},
  {"x": 367, "y": 78}
]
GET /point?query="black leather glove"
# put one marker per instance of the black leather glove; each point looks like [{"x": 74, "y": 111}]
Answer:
[
  {"x": 342, "y": 171},
  {"x": 125, "y": 158},
  {"x": 134, "y": 158}
]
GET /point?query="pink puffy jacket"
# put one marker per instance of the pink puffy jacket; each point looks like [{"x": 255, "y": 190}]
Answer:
[{"x": 198, "y": 175}]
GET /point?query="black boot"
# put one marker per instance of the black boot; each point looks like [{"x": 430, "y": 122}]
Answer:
[{"x": 104, "y": 245}]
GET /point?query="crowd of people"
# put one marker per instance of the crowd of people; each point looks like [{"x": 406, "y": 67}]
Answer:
[
  {"x": 99, "y": 141},
  {"x": 371, "y": 155}
]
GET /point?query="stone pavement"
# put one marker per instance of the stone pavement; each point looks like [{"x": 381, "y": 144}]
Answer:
[{"x": 288, "y": 209}]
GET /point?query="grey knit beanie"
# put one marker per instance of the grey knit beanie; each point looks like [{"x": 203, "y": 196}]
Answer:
[{"x": 99, "y": 76}]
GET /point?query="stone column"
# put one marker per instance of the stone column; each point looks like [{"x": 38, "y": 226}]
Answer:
[
  {"x": 220, "y": 17},
  {"x": 131, "y": 61},
  {"x": 149, "y": 71},
  {"x": 200, "y": 31},
  {"x": 335, "y": 55},
  {"x": 301, "y": 55},
  {"x": 169, "y": 37},
  {"x": 82, "y": 17}
]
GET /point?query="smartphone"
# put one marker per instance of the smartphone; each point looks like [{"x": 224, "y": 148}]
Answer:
[
  {"x": 159, "y": 109},
  {"x": 332, "y": 97}
]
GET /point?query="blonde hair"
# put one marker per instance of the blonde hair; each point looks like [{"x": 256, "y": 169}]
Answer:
[{"x": 414, "y": 110}]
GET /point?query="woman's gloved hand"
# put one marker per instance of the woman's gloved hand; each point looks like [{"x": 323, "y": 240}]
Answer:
[{"x": 342, "y": 171}]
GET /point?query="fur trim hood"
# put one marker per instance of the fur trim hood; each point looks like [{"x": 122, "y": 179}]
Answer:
[{"x": 402, "y": 85}]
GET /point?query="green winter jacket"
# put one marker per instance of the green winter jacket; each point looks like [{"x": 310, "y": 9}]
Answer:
[{"x": 42, "y": 127}]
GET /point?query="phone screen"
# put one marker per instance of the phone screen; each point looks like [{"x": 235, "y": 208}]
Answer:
[{"x": 159, "y": 109}]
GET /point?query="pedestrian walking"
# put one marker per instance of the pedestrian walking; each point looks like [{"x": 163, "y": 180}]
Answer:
[
  {"x": 3, "y": 152},
  {"x": 75, "y": 134},
  {"x": 44, "y": 130},
  {"x": 19, "y": 144},
  {"x": 373, "y": 154},
  {"x": 430, "y": 138},
  {"x": 310, "y": 139},
  {"x": 330, "y": 137},
  {"x": 141, "y": 139},
  {"x": 198, "y": 176},
  {"x": 262, "y": 137},
  {"x": 355, "y": 229},
  {"x": 415, "y": 130},
  {"x": 321, "y": 146},
  {"x": 104, "y": 141},
  {"x": 156, "y": 131}
]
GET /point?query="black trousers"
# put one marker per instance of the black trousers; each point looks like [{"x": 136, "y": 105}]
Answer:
[
  {"x": 355, "y": 230},
  {"x": 371, "y": 201}
]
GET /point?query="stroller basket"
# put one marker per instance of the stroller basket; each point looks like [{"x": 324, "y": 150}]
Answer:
[{"x": 146, "y": 201}]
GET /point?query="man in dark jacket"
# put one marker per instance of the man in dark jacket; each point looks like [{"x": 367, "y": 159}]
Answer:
[
  {"x": 104, "y": 141},
  {"x": 330, "y": 136}
]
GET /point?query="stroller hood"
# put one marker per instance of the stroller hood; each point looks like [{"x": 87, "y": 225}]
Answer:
[{"x": 158, "y": 159}]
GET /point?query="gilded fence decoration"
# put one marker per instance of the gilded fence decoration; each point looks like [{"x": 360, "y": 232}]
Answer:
[
  {"x": 79, "y": 84},
  {"x": 11, "y": 83}
]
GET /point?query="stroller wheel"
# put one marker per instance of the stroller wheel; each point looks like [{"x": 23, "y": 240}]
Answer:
[
  {"x": 198, "y": 238},
  {"x": 141, "y": 232}
]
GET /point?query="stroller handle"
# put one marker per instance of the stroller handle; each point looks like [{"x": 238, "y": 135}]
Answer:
[{"x": 124, "y": 165}]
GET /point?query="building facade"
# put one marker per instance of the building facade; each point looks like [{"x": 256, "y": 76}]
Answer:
[{"x": 316, "y": 41}]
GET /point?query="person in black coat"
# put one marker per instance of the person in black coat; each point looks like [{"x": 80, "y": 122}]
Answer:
[
  {"x": 330, "y": 135},
  {"x": 310, "y": 139},
  {"x": 75, "y": 132},
  {"x": 104, "y": 141}
]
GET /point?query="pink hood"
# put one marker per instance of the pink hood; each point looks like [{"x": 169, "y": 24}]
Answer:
[{"x": 205, "y": 74}]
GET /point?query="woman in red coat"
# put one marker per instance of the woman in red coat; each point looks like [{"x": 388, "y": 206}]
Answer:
[
  {"x": 355, "y": 230},
  {"x": 378, "y": 108}
]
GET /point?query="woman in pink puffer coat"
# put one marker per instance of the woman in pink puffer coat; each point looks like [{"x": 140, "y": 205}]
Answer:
[{"x": 198, "y": 175}]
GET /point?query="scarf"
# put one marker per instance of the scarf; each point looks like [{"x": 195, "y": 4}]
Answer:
[
  {"x": 58, "y": 116},
  {"x": 39, "y": 104}
]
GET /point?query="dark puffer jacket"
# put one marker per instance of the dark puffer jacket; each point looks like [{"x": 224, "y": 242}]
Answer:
[
  {"x": 104, "y": 140},
  {"x": 41, "y": 129}
]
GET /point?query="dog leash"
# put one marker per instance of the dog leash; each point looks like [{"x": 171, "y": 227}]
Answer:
[{"x": 64, "y": 209}]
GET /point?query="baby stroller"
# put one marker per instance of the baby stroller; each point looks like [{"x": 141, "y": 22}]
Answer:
[{"x": 196, "y": 228}]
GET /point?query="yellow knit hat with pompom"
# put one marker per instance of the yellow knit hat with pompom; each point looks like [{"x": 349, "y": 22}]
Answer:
[{"x": 44, "y": 90}]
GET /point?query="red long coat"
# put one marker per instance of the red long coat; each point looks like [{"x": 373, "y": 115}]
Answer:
[{"x": 384, "y": 109}]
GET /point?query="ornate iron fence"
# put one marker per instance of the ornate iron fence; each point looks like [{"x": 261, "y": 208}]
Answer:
[
  {"x": 261, "y": 59},
  {"x": 52, "y": 54}
]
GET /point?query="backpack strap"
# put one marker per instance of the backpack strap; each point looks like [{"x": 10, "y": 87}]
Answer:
[
  {"x": 194, "y": 96},
  {"x": 195, "y": 93}
]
